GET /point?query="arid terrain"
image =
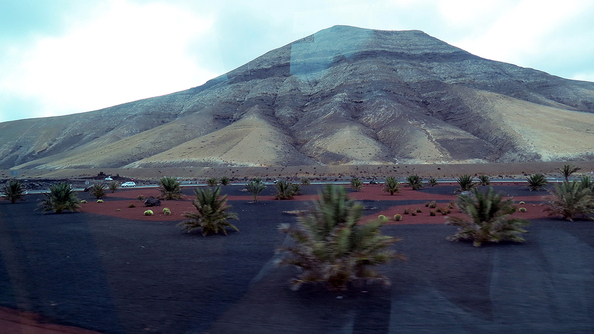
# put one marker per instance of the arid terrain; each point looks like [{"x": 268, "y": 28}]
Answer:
[{"x": 110, "y": 269}]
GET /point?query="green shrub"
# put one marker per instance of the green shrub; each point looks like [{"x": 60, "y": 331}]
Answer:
[
  {"x": 419, "y": 210},
  {"x": 432, "y": 213},
  {"x": 465, "y": 182},
  {"x": 84, "y": 201},
  {"x": 522, "y": 209},
  {"x": 225, "y": 181},
  {"x": 170, "y": 188},
  {"x": 97, "y": 190},
  {"x": 211, "y": 213},
  {"x": 397, "y": 217},
  {"x": 140, "y": 197},
  {"x": 536, "y": 181},
  {"x": 415, "y": 181},
  {"x": 305, "y": 181},
  {"x": 586, "y": 183},
  {"x": 356, "y": 184},
  {"x": 489, "y": 219},
  {"x": 571, "y": 201},
  {"x": 522, "y": 203},
  {"x": 131, "y": 206},
  {"x": 406, "y": 211},
  {"x": 99, "y": 201},
  {"x": 113, "y": 186},
  {"x": 13, "y": 191},
  {"x": 432, "y": 181},
  {"x": 148, "y": 213},
  {"x": 392, "y": 185},
  {"x": 381, "y": 217},
  {"x": 255, "y": 188},
  {"x": 166, "y": 212},
  {"x": 484, "y": 180},
  {"x": 331, "y": 248},
  {"x": 60, "y": 197},
  {"x": 286, "y": 189},
  {"x": 211, "y": 182}
]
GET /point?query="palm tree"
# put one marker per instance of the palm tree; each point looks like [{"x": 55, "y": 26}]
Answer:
[
  {"x": 13, "y": 191},
  {"x": 97, "y": 190},
  {"x": 567, "y": 170},
  {"x": 225, "y": 181},
  {"x": 170, "y": 188},
  {"x": 490, "y": 221},
  {"x": 211, "y": 215},
  {"x": 415, "y": 181},
  {"x": 572, "y": 200},
  {"x": 432, "y": 181},
  {"x": 484, "y": 180},
  {"x": 356, "y": 184},
  {"x": 465, "y": 182},
  {"x": 286, "y": 189},
  {"x": 332, "y": 248},
  {"x": 586, "y": 182},
  {"x": 392, "y": 185},
  {"x": 536, "y": 181},
  {"x": 60, "y": 197},
  {"x": 212, "y": 181},
  {"x": 255, "y": 188},
  {"x": 114, "y": 186}
]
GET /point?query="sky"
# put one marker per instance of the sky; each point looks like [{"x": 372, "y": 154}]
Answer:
[{"x": 60, "y": 57}]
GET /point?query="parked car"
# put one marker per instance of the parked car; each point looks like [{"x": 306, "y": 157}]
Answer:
[
  {"x": 108, "y": 178},
  {"x": 128, "y": 184}
]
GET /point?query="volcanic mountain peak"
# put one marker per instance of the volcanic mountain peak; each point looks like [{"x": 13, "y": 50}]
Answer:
[{"x": 343, "y": 95}]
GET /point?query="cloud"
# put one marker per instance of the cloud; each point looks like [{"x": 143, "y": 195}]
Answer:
[
  {"x": 129, "y": 52},
  {"x": 59, "y": 57}
]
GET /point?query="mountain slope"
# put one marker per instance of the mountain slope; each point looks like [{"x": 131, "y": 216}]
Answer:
[{"x": 343, "y": 95}]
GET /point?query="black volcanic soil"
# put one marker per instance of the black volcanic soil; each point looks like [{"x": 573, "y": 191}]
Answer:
[{"x": 122, "y": 275}]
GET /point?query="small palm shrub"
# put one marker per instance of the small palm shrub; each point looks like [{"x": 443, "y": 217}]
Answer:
[
  {"x": 166, "y": 212},
  {"x": 211, "y": 213},
  {"x": 465, "y": 182},
  {"x": 567, "y": 170},
  {"x": 331, "y": 248},
  {"x": 406, "y": 211},
  {"x": 415, "y": 181},
  {"x": 432, "y": 213},
  {"x": 60, "y": 197},
  {"x": 149, "y": 213},
  {"x": 489, "y": 219},
  {"x": 211, "y": 182},
  {"x": 286, "y": 189},
  {"x": 13, "y": 191},
  {"x": 484, "y": 180},
  {"x": 432, "y": 204},
  {"x": 225, "y": 181},
  {"x": 131, "y": 206},
  {"x": 397, "y": 217},
  {"x": 113, "y": 186},
  {"x": 586, "y": 182},
  {"x": 392, "y": 185},
  {"x": 571, "y": 201},
  {"x": 536, "y": 181},
  {"x": 97, "y": 190},
  {"x": 140, "y": 198},
  {"x": 255, "y": 188},
  {"x": 356, "y": 184},
  {"x": 170, "y": 188},
  {"x": 432, "y": 181},
  {"x": 305, "y": 181}
]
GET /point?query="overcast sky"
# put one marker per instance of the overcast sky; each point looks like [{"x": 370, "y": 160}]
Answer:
[{"x": 65, "y": 56}]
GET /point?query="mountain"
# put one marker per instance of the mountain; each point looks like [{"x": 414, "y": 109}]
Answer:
[{"x": 343, "y": 95}]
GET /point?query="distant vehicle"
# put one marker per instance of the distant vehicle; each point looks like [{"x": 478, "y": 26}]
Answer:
[
  {"x": 108, "y": 178},
  {"x": 128, "y": 184}
]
